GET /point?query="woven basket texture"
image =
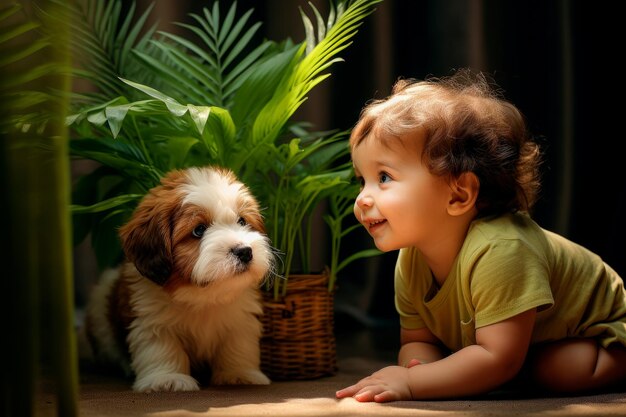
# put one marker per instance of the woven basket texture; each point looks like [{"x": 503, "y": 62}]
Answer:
[{"x": 298, "y": 330}]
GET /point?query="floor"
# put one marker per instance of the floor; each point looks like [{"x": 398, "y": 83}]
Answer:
[
  {"x": 365, "y": 343},
  {"x": 362, "y": 347}
]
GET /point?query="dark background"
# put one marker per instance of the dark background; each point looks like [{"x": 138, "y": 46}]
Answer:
[{"x": 556, "y": 60}]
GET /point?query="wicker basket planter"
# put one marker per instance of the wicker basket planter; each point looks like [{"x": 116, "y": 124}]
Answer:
[{"x": 298, "y": 331}]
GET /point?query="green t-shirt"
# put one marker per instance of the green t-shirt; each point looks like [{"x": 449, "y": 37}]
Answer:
[{"x": 508, "y": 265}]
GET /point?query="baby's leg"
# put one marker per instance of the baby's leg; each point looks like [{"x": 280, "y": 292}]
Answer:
[{"x": 575, "y": 365}]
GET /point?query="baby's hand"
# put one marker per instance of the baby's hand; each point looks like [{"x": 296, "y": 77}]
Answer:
[{"x": 388, "y": 384}]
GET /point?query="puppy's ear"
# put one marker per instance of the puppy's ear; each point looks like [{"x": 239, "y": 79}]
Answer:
[
  {"x": 147, "y": 237},
  {"x": 249, "y": 207},
  {"x": 256, "y": 221}
]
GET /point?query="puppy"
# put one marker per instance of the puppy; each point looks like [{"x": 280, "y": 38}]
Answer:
[{"x": 187, "y": 296}]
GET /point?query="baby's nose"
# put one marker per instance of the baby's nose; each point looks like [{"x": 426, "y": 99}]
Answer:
[{"x": 364, "y": 201}]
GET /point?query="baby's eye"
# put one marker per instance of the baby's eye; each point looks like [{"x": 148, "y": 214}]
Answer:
[
  {"x": 384, "y": 177},
  {"x": 360, "y": 181}
]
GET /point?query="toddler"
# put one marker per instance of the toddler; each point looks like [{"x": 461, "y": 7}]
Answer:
[{"x": 448, "y": 175}]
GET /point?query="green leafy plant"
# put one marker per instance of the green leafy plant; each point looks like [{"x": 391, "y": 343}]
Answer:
[
  {"x": 166, "y": 101},
  {"x": 34, "y": 168}
]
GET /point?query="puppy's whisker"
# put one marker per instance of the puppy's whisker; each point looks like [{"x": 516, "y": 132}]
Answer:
[{"x": 272, "y": 271}]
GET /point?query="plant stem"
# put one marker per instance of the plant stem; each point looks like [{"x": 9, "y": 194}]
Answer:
[{"x": 34, "y": 175}]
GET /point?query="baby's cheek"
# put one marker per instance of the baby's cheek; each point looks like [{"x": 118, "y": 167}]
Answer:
[{"x": 357, "y": 212}]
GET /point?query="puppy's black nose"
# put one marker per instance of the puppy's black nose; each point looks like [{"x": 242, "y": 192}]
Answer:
[{"x": 243, "y": 253}]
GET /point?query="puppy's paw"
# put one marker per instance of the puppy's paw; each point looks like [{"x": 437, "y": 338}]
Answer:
[
  {"x": 165, "y": 382},
  {"x": 239, "y": 377}
]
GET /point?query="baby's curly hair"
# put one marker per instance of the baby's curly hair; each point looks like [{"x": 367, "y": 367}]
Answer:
[{"x": 469, "y": 128}]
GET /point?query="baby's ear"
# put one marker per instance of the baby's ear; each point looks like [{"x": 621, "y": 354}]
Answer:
[{"x": 463, "y": 193}]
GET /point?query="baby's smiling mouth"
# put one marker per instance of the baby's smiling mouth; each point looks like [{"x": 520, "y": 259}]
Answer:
[{"x": 375, "y": 223}]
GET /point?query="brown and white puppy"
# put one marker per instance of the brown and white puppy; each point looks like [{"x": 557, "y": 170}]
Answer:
[{"x": 187, "y": 296}]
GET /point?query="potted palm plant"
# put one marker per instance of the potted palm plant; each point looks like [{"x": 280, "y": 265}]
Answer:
[{"x": 164, "y": 101}]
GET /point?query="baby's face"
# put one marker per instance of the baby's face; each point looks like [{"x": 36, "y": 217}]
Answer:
[{"x": 401, "y": 204}]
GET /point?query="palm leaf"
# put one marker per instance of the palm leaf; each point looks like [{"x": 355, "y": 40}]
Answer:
[
  {"x": 108, "y": 204},
  {"x": 175, "y": 83},
  {"x": 104, "y": 35},
  {"x": 259, "y": 86},
  {"x": 194, "y": 82},
  {"x": 22, "y": 41},
  {"x": 308, "y": 73},
  {"x": 210, "y": 75}
]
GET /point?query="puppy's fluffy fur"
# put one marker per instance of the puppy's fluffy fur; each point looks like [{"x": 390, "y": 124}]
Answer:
[{"x": 188, "y": 293}]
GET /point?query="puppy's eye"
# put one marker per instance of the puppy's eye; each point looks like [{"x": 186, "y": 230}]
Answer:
[
  {"x": 242, "y": 221},
  {"x": 199, "y": 230}
]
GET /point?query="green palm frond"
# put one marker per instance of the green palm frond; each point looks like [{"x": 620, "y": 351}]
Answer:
[
  {"x": 208, "y": 72},
  {"x": 310, "y": 70},
  {"x": 12, "y": 31},
  {"x": 104, "y": 34},
  {"x": 21, "y": 41},
  {"x": 259, "y": 87}
]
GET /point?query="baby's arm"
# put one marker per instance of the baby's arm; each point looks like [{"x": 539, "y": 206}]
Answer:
[
  {"x": 418, "y": 346},
  {"x": 496, "y": 357}
]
